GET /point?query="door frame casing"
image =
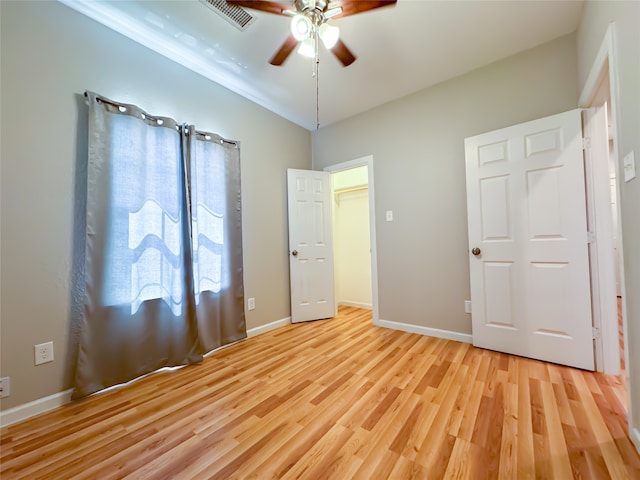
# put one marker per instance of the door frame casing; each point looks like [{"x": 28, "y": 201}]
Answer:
[
  {"x": 359, "y": 162},
  {"x": 601, "y": 253},
  {"x": 605, "y": 65}
]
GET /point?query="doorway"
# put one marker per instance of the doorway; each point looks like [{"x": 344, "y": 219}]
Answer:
[
  {"x": 601, "y": 86},
  {"x": 355, "y": 258},
  {"x": 604, "y": 248},
  {"x": 351, "y": 244}
]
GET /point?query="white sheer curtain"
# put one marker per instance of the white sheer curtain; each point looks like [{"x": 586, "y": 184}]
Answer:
[{"x": 163, "y": 266}]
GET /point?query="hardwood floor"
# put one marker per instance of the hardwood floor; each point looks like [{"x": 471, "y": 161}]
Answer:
[{"x": 338, "y": 399}]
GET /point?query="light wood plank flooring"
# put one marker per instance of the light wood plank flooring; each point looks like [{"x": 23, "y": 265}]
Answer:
[{"x": 338, "y": 399}]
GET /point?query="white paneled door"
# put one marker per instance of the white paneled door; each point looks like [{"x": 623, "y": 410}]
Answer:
[
  {"x": 528, "y": 242},
  {"x": 310, "y": 245}
]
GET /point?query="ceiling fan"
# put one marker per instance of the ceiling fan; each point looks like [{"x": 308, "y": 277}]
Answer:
[{"x": 309, "y": 22}]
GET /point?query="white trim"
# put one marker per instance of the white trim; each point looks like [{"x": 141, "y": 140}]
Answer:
[
  {"x": 606, "y": 63},
  {"x": 348, "y": 303},
  {"x": 255, "y": 331},
  {"x": 601, "y": 251},
  {"x": 358, "y": 162},
  {"x": 597, "y": 72},
  {"x": 36, "y": 407},
  {"x": 607, "y": 57},
  {"x": 45, "y": 404},
  {"x": 428, "y": 331},
  {"x": 368, "y": 161},
  {"x": 161, "y": 42}
]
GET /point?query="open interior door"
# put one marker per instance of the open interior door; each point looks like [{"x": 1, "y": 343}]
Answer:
[
  {"x": 310, "y": 245},
  {"x": 528, "y": 242}
]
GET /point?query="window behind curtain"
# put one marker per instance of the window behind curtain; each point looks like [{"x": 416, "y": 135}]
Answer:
[
  {"x": 209, "y": 197},
  {"x": 144, "y": 245},
  {"x": 163, "y": 265}
]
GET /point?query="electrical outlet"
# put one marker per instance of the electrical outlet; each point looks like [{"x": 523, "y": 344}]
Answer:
[
  {"x": 43, "y": 353},
  {"x": 251, "y": 304},
  {"x": 467, "y": 306},
  {"x": 5, "y": 387}
]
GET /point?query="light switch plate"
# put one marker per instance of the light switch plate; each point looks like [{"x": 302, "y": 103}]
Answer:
[
  {"x": 467, "y": 306},
  {"x": 629, "y": 165},
  {"x": 389, "y": 216}
]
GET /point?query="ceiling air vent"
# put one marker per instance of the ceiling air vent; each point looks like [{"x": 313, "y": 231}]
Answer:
[{"x": 236, "y": 16}]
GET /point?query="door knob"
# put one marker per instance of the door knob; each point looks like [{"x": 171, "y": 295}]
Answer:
[
  {"x": 476, "y": 251},
  {"x": 294, "y": 253}
]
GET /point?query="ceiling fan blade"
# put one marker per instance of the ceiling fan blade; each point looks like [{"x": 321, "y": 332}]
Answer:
[
  {"x": 284, "y": 52},
  {"x": 351, "y": 7},
  {"x": 341, "y": 51},
  {"x": 262, "y": 5}
]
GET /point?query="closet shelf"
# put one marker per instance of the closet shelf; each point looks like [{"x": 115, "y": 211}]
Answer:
[{"x": 350, "y": 189}]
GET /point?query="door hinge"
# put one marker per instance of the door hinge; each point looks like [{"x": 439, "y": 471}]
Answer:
[
  {"x": 591, "y": 237},
  {"x": 586, "y": 143},
  {"x": 595, "y": 332}
]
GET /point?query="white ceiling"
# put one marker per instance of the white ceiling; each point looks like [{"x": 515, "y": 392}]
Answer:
[{"x": 400, "y": 49}]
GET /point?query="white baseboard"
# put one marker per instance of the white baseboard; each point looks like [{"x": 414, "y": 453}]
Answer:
[
  {"x": 348, "y": 303},
  {"x": 430, "y": 332},
  {"x": 42, "y": 405},
  {"x": 252, "y": 332},
  {"x": 36, "y": 407}
]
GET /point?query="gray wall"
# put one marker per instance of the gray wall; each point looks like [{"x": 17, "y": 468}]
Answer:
[
  {"x": 596, "y": 19},
  {"x": 50, "y": 55},
  {"x": 417, "y": 144}
]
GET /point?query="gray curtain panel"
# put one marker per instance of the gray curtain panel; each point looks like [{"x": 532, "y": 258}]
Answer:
[
  {"x": 163, "y": 247},
  {"x": 216, "y": 230}
]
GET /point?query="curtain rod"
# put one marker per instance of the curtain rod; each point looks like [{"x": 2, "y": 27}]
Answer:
[{"x": 102, "y": 99}]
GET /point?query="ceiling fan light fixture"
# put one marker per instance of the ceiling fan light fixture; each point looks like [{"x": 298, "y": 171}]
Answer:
[
  {"x": 307, "y": 48},
  {"x": 329, "y": 35},
  {"x": 301, "y": 27}
]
